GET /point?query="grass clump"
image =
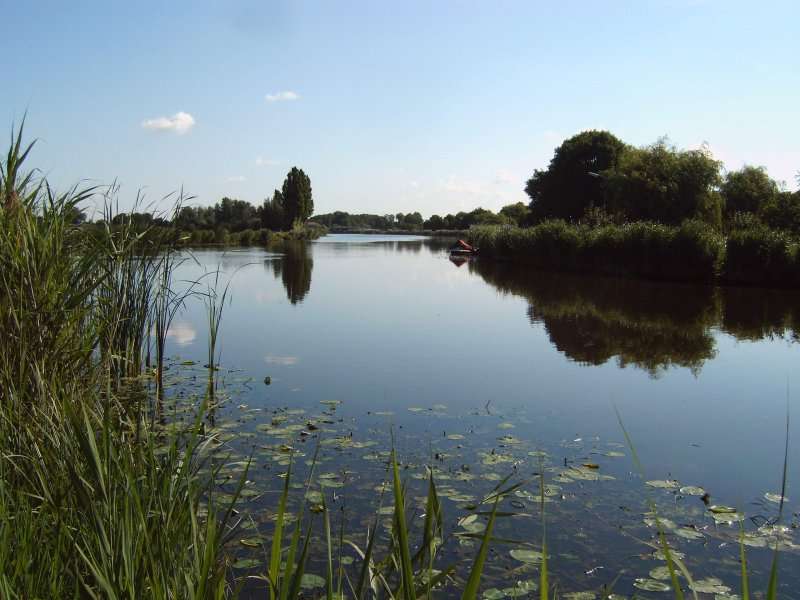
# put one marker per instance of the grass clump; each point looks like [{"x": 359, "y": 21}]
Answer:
[{"x": 94, "y": 501}]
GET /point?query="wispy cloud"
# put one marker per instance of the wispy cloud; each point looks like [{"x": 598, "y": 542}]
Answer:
[
  {"x": 266, "y": 162},
  {"x": 504, "y": 176},
  {"x": 180, "y": 123},
  {"x": 282, "y": 96},
  {"x": 460, "y": 185},
  {"x": 236, "y": 179}
]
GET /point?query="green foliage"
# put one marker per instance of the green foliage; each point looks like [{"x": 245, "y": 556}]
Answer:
[
  {"x": 94, "y": 502},
  {"x": 273, "y": 215},
  {"x": 689, "y": 252},
  {"x": 782, "y": 212},
  {"x": 748, "y": 190},
  {"x": 298, "y": 201},
  {"x": 762, "y": 256},
  {"x": 572, "y": 182},
  {"x": 517, "y": 214},
  {"x": 662, "y": 184}
]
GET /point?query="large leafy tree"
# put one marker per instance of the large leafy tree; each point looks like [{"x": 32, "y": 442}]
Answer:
[
  {"x": 298, "y": 202},
  {"x": 572, "y": 182},
  {"x": 748, "y": 190},
  {"x": 661, "y": 183}
]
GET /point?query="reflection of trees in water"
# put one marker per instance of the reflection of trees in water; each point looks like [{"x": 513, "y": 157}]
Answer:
[
  {"x": 754, "y": 313},
  {"x": 294, "y": 268},
  {"x": 652, "y": 325}
]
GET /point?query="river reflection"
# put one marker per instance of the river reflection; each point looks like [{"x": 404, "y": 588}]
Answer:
[
  {"x": 293, "y": 267},
  {"x": 650, "y": 325},
  {"x": 477, "y": 370}
]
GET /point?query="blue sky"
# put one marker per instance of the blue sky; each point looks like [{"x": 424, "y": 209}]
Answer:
[{"x": 433, "y": 106}]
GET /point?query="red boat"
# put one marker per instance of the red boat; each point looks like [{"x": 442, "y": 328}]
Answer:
[{"x": 462, "y": 248}]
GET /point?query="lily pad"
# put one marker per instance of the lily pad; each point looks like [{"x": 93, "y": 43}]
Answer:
[
  {"x": 776, "y": 498},
  {"x": 651, "y": 585},
  {"x": 311, "y": 581},
  {"x": 710, "y": 585},
  {"x": 246, "y": 563},
  {"x": 531, "y": 557},
  {"x": 666, "y": 484}
]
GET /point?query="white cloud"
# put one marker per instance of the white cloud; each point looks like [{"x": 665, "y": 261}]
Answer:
[
  {"x": 459, "y": 185},
  {"x": 236, "y": 179},
  {"x": 282, "y": 96},
  {"x": 504, "y": 176},
  {"x": 266, "y": 162},
  {"x": 181, "y": 122}
]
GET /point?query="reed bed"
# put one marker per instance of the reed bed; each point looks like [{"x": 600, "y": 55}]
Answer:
[{"x": 692, "y": 251}]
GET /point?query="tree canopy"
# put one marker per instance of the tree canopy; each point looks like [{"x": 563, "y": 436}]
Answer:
[
  {"x": 572, "y": 182},
  {"x": 298, "y": 202}
]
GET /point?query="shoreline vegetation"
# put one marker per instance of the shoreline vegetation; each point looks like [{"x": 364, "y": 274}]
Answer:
[
  {"x": 104, "y": 493},
  {"x": 689, "y": 252}
]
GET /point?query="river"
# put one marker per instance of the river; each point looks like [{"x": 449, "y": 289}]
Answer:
[{"x": 483, "y": 369}]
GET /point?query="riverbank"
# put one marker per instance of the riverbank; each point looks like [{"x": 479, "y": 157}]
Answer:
[
  {"x": 690, "y": 252},
  {"x": 219, "y": 238}
]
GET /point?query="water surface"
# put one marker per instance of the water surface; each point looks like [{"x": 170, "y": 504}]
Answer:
[{"x": 519, "y": 363}]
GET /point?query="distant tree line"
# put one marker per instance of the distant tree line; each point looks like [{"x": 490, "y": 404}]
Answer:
[
  {"x": 293, "y": 204},
  {"x": 513, "y": 214}
]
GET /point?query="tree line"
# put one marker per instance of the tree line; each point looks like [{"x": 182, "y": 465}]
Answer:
[
  {"x": 594, "y": 176},
  {"x": 512, "y": 214},
  {"x": 288, "y": 207}
]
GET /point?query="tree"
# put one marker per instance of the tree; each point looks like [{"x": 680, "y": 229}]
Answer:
[
  {"x": 748, "y": 190},
  {"x": 783, "y": 211},
  {"x": 572, "y": 181},
  {"x": 661, "y": 183},
  {"x": 272, "y": 213},
  {"x": 434, "y": 223},
  {"x": 298, "y": 202},
  {"x": 518, "y": 213}
]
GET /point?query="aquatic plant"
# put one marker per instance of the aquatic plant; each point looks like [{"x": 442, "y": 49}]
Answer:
[
  {"x": 94, "y": 501},
  {"x": 692, "y": 251}
]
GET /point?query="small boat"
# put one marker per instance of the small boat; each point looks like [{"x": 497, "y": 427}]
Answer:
[{"x": 462, "y": 248}]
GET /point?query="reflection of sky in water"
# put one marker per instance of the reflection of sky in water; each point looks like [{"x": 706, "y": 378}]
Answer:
[
  {"x": 285, "y": 361},
  {"x": 698, "y": 375},
  {"x": 182, "y": 333}
]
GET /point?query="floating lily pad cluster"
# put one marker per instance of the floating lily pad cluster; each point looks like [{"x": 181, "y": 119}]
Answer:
[{"x": 594, "y": 509}]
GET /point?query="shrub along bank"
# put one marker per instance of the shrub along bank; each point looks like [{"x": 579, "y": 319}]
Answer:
[{"x": 691, "y": 251}]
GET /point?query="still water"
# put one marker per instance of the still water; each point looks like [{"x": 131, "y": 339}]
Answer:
[{"x": 481, "y": 369}]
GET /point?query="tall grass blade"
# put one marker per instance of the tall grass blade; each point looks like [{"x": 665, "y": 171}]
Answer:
[
  {"x": 277, "y": 537},
  {"x": 772, "y": 587},
  {"x": 544, "y": 584},
  {"x": 329, "y": 550},
  {"x": 473, "y": 582},
  {"x": 665, "y": 549},
  {"x": 407, "y": 571}
]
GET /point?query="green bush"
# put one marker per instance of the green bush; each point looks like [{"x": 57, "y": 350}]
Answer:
[
  {"x": 759, "y": 255},
  {"x": 690, "y": 252}
]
